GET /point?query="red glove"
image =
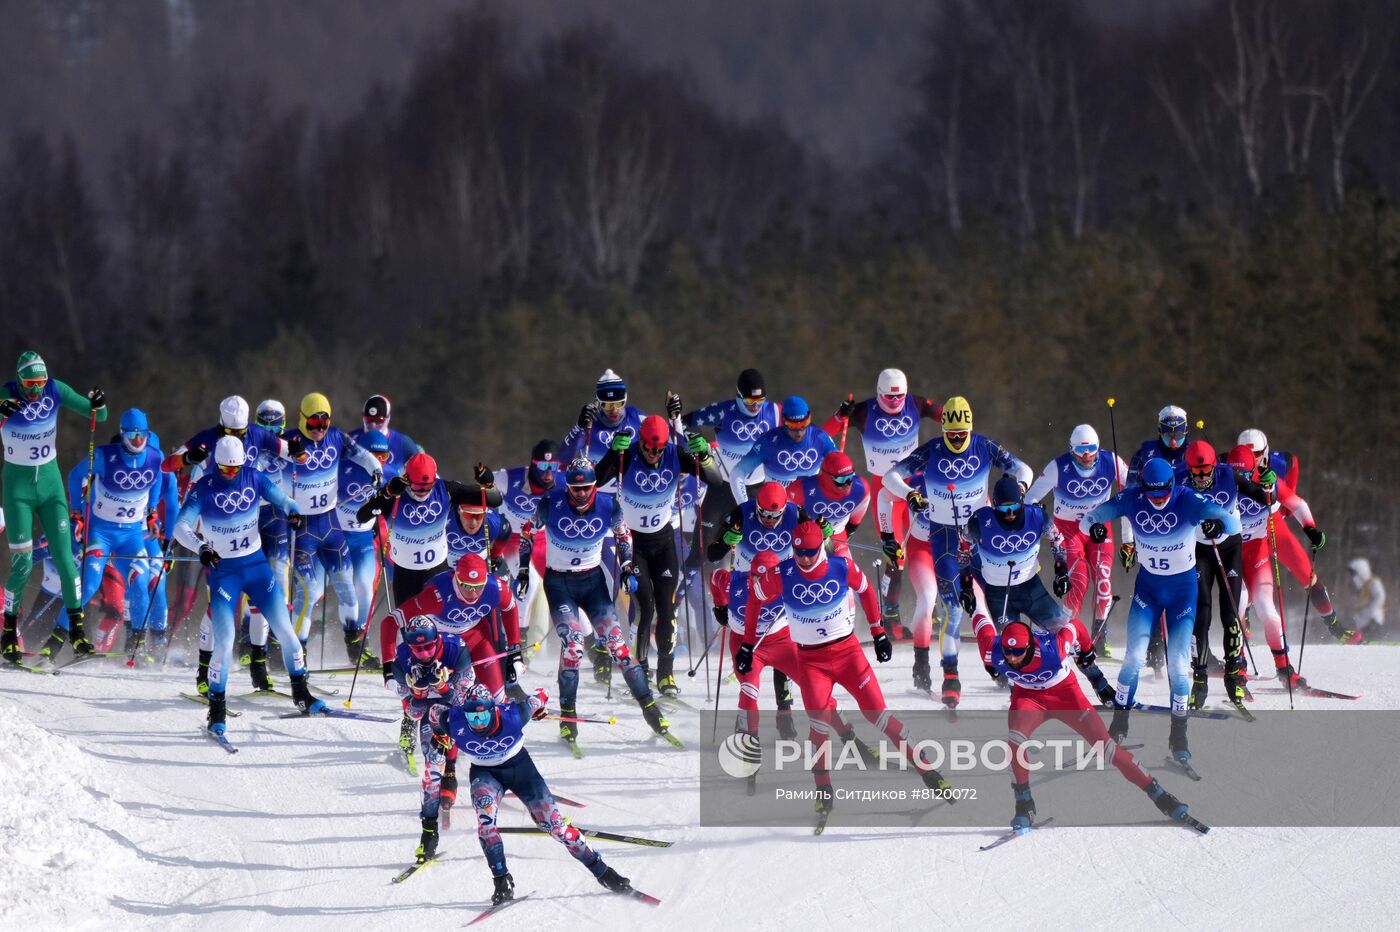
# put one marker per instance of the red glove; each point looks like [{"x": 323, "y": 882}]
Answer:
[{"x": 719, "y": 586}]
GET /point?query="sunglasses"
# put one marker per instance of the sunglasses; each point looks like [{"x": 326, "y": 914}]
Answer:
[
  {"x": 800, "y": 424},
  {"x": 383, "y": 457},
  {"x": 844, "y": 480},
  {"x": 417, "y": 489},
  {"x": 769, "y": 515},
  {"x": 33, "y": 383},
  {"x": 611, "y": 408},
  {"x": 956, "y": 436},
  {"x": 426, "y": 649},
  {"x": 235, "y": 431},
  {"x": 229, "y": 472},
  {"x": 546, "y": 465},
  {"x": 134, "y": 436},
  {"x": 1009, "y": 508},
  {"x": 1085, "y": 449},
  {"x": 653, "y": 451},
  {"x": 1014, "y": 651},
  {"x": 274, "y": 426},
  {"x": 318, "y": 422},
  {"x": 894, "y": 398},
  {"x": 753, "y": 401},
  {"x": 478, "y": 718},
  {"x": 376, "y": 421},
  {"x": 805, "y": 553}
]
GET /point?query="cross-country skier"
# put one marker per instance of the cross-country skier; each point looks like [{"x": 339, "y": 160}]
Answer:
[
  {"x": 125, "y": 488},
  {"x": 1006, "y": 538},
  {"x": 815, "y": 592},
  {"x": 607, "y": 415},
  {"x": 954, "y": 468},
  {"x": 1044, "y": 688},
  {"x": 491, "y": 736},
  {"x": 1082, "y": 479},
  {"x": 738, "y": 422},
  {"x": 475, "y": 528},
  {"x": 1369, "y": 616},
  {"x": 648, "y": 477},
  {"x": 34, "y": 489},
  {"x": 578, "y": 518},
  {"x": 225, "y": 504},
  {"x": 786, "y": 453},
  {"x": 376, "y": 418},
  {"x": 1170, "y": 445},
  {"x": 888, "y": 426},
  {"x": 432, "y": 673},
  {"x": 1165, "y": 516},
  {"x": 356, "y": 486},
  {"x": 521, "y": 488},
  {"x": 837, "y": 496}
]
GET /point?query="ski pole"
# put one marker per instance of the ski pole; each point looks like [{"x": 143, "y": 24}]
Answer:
[
  {"x": 1113, "y": 431},
  {"x": 87, "y": 492},
  {"x": 610, "y": 720},
  {"x": 1234, "y": 603},
  {"x": 719, "y": 678},
  {"x": 1201, "y": 426},
  {"x": 147, "y": 556},
  {"x": 1101, "y": 626},
  {"x": 1278, "y": 589},
  {"x": 714, "y": 637},
  {"x": 504, "y": 653},
  {"x": 846, "y": 422},
  {"x": 360, "y": 654},
  {"x": 1307, "y": 609}
]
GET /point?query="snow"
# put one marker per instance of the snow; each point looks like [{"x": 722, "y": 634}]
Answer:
[{"x": 115, "y": 812}]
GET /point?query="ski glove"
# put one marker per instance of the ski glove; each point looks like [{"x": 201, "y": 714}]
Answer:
[
  {"x": 196, "y": 456},
  {"x": 1098, "y": 532},
  {"x": 1211, "y": 527},
  {"x": 743, "y": 660},
  {"x": 884, "y": 650},
  {"x": 585, "y": 417},
  {"x": 621, "y": 441},
  {"x": 515, "y": 664},
  {"x": 97, "y": 398},
  {"x": 1267, "y": 477},
  {"x": 208, "y": 556},
  {"x": 1061, "y": 579},
  {"x": 732, "y": 537},
  {"x": 630, "y": 573},
  {"x": 543, "y": 697},
  {"x": 916, "y": 501},
  {"x": 825, "y": 525},
  {"x": 967, "y": 597},
  {"x": 721, "y": 614},
  {"x": 697, "y": 445},
  {"x": 893, "y": 551},
  {"x": 396, "y": 486},
  {"x": 522, "y": 583},
  {"x": 75, "y": 518},
  {"x": 847, "y": 408},
  {"x": 1127, "y": 555},
  {"x": 673, "y": 406},
  {"x": 483, "y": 476},
  {"x": 296, "y": 447},
  {"x": 1319, "y": 539},
  {"x": 296, "y": 521},
  {"x": 9, "y": 407},
  {"x": 387, "y": 668}
]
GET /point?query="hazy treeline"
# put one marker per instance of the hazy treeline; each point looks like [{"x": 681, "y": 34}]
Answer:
[{"x": 1195, "y": 213}]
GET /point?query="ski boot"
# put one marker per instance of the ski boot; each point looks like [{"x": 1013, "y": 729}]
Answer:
[
  {"x": 81, "y": 645},
  {"x": 201, "y": 676},
  {"x": 1167, "y": 804},
  {"x": 952, "y": 686},
  {"x": 1286, "y": 674},
  {"x": 218, "y": 712},
  {"x": 787, "y": 728},
  {"x": 1118, "y": 728},
  {"x": 1200, "y": 686},
  {"x": 245, "y": 652},
  {"x": 427, "y": 842},
  {"x": 160, "y": 647},
  {"x": 257, "y": 669},
  {"x": 53, "y": 646},
  {"x": 9, "y": 639},
  {"x": 935, "y": 781},
  {"x": 825, "y": 800},
  {"x": 355, "y": 649},
  {"x": 505, "y": 889},
  {"x": 615, "y": 881},
  {"x": 655, "y": 719},
  {"x": 1176, "y": 741},
  {"x": 447, "y": 792},
  {"x": 923, "y": 679},
  {"x": 602, "y": 664},
  {"x": 1025, "y": 806},
  {"x": 667, "y": 686},
  {"x": 1101, "y": 640},
  {"x": 568, "y": 731},
  {"x": 306, "y": 703},
  {"x": 1236, "y": 675}
]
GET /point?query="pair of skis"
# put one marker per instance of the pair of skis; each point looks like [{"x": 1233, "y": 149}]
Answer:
[
  {"x": 1186, "y": 821},
  {"x": 493, "y": 910}
]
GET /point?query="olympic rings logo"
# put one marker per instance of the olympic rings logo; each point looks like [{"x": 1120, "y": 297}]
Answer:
[
  {"x": 458, "y": 542},
  {"x": 797, "y": 460},
  {"x": 1086, "y": 488},
  {"x": 483, "y": 747},
  {"x": 816, "y": 593},
  {"x": 1220, "y": 497},
  {"x": 522, "y": 503},
  {"x": 1013, "y": 543},
  {"x": 37, "y": 410},
  {"x": 747, "y": 430},
  {"x": 358, "y": 491},
  {"x": 233, "y": 502},
  {"x": 1039, "y": 676},
  {"x": 963, "y": 468},
  {"x": 131, "y": 479},
  {"x": 1155, "y": 524},
  {"x": 894, "y": 426},
  {"x": 1249, "y": 507},
  {"x": 769, "y": 540},
  {"x": 833, "y": 511},
  {"x": 466, "y": 615},
  {"x": 580, "y": 527},
  {"x": 322, "y": 458},
  {"x": 652, "y": 481},
  {"x": 422, "y": 514}
]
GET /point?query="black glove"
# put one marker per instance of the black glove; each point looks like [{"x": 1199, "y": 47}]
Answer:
[
  {"x": 388, "y": 671},
  {"x": 1061, "y": 579},
  {"x": 743, "y": 660},
  {"x": 9, "y": 407},
  {"x": 483, "y": 476},
  {"x": 207, "y": 556},
  {"x": 197, "y": 455},
  {"x": 1211, "y": 527},
  {"x": 1107, "y": 694},
  {"x": 1098, "y": 532},
  {"x": 1315, "y": 535},
  {"x": 1127, "y": 555},
  {"x": 396, "y": 486},
  {"x": 893, "y": 550},
  {"x": 884, "y": 650},
  {"x": 296, "y": 521},
  {"x": 585, "y": 417},
  {"x": 497, "y": 565},
  {"x": 967, "y": 597},
  {"x": 916, "y": 501},
  {"x": 673, "y": 406},
  {"x": 514, "y": 663},
  {"x": 522, "y": 582},
  {"x": 97, "y": 398},
  {"x": 721, "y": 614},
  {"x": 847, "y": 408},
  {"x": 296, "y": 445},
  {"x": 991, "y": 671}
]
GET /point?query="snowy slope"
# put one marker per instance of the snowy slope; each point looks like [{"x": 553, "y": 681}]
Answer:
[{"x": 116, "y": 813}]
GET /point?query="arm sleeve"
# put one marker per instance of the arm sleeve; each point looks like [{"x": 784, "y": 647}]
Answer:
[
  {"x": 931, "y": 410},
  {"x": 622, "y": 535},
  {"x": 869, "y": 601},
  {"x": 738, "y": 479},
  {"x": 709, "y": 470},
  {"x": 73, "y": 401},
  {"x": 1113, "y": 508},
  {"x": 859, "y": 512},
  {"x": 1044, "y": 483},
  {"x": 76, "y": 475},
  {"x": 358, "y": 454},
  {"x": 170, "y": 494},
  {"x": 185, "y": 522},
  {"x": 897, "y": 479},
  {"x": 1128, "y": 536},
  {"x": 469, "y": 493},
  {"x": 1250, "y": 489},
  {"x": 1292, "y": 501},
  {"x": 509, "y": 611},
  {"x": 275, "y": 496},
  {"x": 608, "y": 468},
  {"x": 708, "y": 416}
]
